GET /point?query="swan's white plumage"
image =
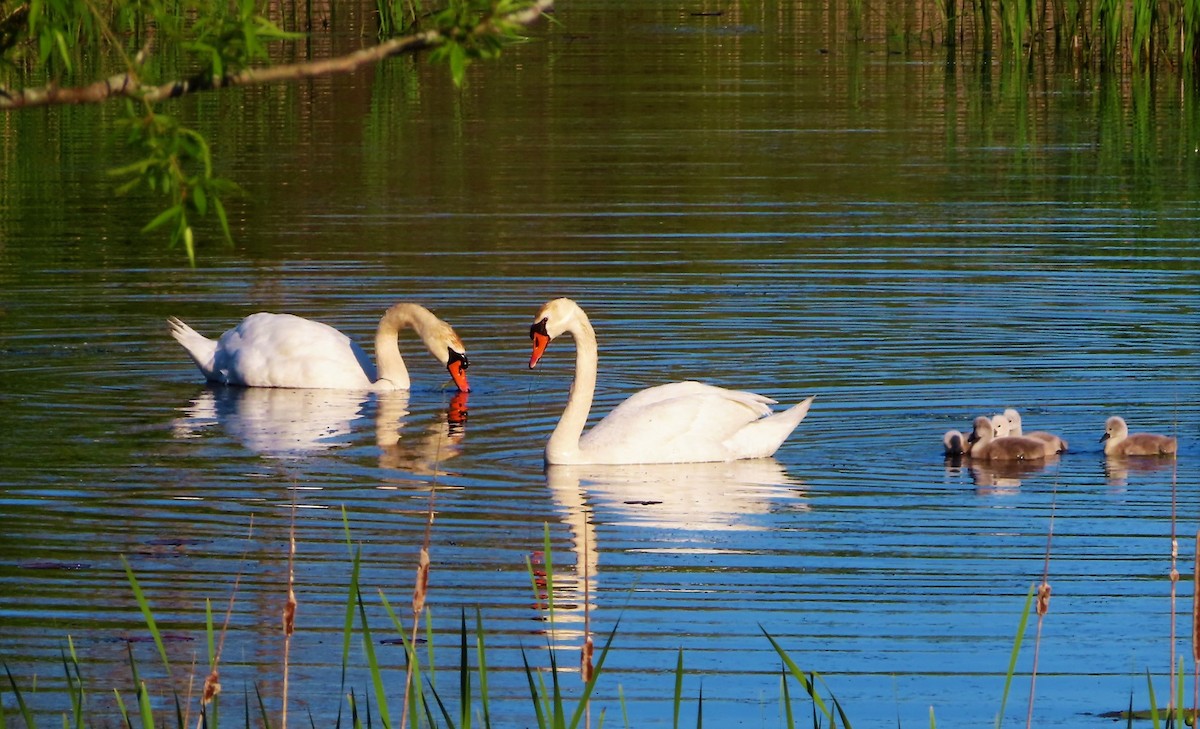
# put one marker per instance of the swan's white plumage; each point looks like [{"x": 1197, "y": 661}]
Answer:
[
  {"x": 683, "y": 422},
  {"x": 283, "y": 350}
]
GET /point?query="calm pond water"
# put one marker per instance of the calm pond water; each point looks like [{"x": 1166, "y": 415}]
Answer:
[{"x": 737, "y": 199}]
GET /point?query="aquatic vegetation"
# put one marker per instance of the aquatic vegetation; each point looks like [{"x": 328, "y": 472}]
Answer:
[{"x": 552, "y": 704}]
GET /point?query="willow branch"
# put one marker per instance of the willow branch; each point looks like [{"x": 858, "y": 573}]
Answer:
[{"x": 128, "y": 85}]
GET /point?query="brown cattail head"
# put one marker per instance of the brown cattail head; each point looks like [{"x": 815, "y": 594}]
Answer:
[
  {"x": 289, "y": 614},
  {"x": 1043, "y": 600},
  {"x": 212, "y": 687},
  {"x": 422, "y": 586},
  {"x": 1196, "y": 604},
  {"x": 585, "y": 662}
]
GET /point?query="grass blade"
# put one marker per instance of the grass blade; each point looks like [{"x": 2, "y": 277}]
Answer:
[
  {"x": 799, "y": 675},
  {"x": 262, "y": 708},
  {"x": 678, "y": 687},
  {"x": 464, "y": 674},
  {"x": 1153, "y": 700},
  {"x": 1016, "y": 651},
  {"x": 534, "y": 695},
  {"x": 147, "y": 615},
  {"x": 146, "y": 713},
  {"x": 373, "y": 664},
  {"x": 26, "y": 714},
  {"x": 481, "y": 659}
]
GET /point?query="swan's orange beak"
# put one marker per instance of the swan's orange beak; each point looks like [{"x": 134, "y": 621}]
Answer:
[
  {"x": 541, "y": 340},
  {"x": 457, "y": 367}
]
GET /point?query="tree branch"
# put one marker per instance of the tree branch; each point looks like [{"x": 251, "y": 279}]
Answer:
[{"x": 127, "y": 84}]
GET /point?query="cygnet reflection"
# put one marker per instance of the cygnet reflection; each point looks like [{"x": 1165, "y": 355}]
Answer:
[
  {"x": 1118, "y": 469},
  {"x": 1000, "y": 477}
]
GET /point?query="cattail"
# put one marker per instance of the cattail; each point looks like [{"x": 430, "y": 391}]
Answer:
[
  {"x": 422, "y": 585},
  {"x": 212, "y": 687},
  {"x": 585, "y": 663},
  {"x": 1196, "y": 605},
  {"x": 1043, "y": 600},
  {"x": 289, "y": 614}
]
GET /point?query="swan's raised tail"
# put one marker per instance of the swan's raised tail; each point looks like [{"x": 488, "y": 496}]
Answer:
[
  {"x": 200, "y": 348},
  {"x": 761, "y": 438}
]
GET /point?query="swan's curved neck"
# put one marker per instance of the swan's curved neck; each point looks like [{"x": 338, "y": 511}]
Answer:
[
  {"x": 387, "y": 340},
  {"x": 563, "y": 446}
]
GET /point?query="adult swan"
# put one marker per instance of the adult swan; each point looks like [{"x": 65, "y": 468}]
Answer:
[
  {"x": 282, "y": 350},
  {"x": 683, "y": 422}
]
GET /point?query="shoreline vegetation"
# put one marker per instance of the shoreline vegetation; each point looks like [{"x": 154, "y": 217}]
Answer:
[
  {"x": 147, "y": 55},
  {"x": 552, "y": 703}
]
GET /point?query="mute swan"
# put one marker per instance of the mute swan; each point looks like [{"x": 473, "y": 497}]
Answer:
[
  {"x": 1054, "y": 444},
  {"x": 1118, "y": 442},
  {"x": 986, "y": 447},
  {"x": 281, "y": 350},
  {"x": 683, "y": 422}
]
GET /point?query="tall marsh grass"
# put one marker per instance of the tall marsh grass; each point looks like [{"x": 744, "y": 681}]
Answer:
[{"x": 1103, "y": 35}]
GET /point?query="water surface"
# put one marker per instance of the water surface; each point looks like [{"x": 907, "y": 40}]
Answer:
[{"x": 730, "y": 204}]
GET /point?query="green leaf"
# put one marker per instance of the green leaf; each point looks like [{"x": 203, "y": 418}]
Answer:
[
  {"x": 223, "y": 218},
  {"x": 163, "y": 217},
  {"x": 199, "y": 199},
  {"x": 189, "y": 243},
  {"x": 458, "y": 63},
  {"x": 61, "y": 41}
]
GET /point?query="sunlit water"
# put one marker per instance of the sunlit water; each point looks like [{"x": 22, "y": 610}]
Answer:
[{"x": 771, "y": 239}]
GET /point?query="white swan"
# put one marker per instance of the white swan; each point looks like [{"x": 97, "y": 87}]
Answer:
[
  {"x": 281, "y": 350},
  {"x": 683, "y": 422}
]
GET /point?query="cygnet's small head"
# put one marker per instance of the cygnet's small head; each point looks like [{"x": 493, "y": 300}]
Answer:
[
  {"x": 954, "y": 443},
  {"x": 982, "y": 430},
  {"x": 551, "y": 320},
  {"x": 1000, "y": 426},
  {"x": 1114, "y": 427}
]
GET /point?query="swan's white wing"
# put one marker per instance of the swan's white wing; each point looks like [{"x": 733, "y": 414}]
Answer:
[
  {"x": 281, "y": 350},
  {"x": 690, "y": 388},
  {"x": 680, "y": 422}
]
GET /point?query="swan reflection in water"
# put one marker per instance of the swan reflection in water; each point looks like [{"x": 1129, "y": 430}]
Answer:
[
  {"x": 682, "y": 508},
  {"x": 425, "y": 453},
  {"x": 997, "y": 478},
  {"x": 294, "y": 422}
]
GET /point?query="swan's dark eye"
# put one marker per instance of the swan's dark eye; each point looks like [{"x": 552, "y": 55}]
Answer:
[
  {"x": 539, "y": 328},
  {"x": 459, "y": 357}
]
